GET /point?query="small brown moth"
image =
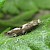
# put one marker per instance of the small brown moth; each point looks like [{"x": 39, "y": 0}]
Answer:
[{"x": 25, "y": 28}]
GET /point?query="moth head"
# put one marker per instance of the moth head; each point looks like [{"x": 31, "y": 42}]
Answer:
[
  {"x": 13, "y": 32},
  {"x": 10, "y": 34}
]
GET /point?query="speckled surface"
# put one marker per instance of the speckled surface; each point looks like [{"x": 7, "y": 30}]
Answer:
[{"x": 22, "y": 12}]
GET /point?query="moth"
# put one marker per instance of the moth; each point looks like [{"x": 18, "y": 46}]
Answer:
[{"x": 24, "y": 28}]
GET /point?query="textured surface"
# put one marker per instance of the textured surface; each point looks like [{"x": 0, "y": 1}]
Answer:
[
  {"x": 38, "y": 39},
  {"x": 14, "y": 13}
]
